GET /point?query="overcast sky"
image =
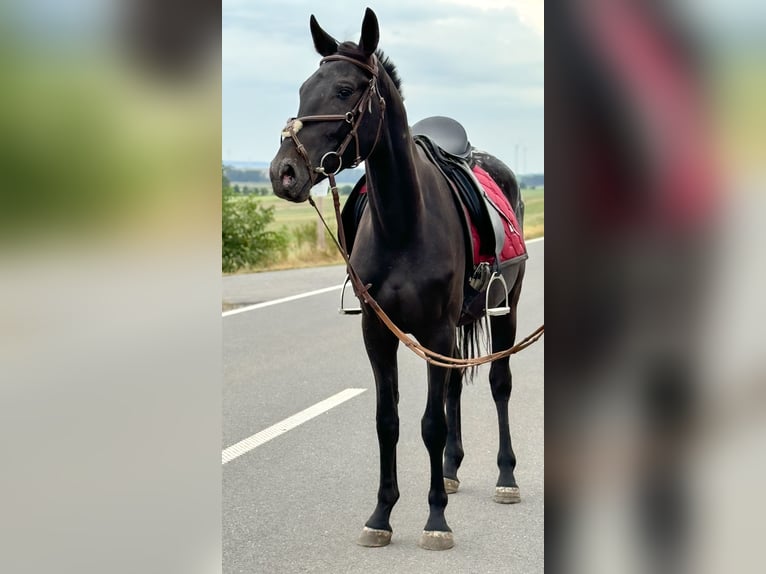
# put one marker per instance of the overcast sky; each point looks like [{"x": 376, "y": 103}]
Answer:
[{"x": 479, "y": 61}]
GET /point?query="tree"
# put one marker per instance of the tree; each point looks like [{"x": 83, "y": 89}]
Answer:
[{"x": 245, "y": 241}]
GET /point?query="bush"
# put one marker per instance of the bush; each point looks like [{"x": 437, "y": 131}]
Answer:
[
  {"x": 245, "y": 242},
  {"x": 305, "y": 234}
]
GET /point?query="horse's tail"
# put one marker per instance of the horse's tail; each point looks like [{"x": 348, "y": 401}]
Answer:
[{"x": 469, "y": 345}]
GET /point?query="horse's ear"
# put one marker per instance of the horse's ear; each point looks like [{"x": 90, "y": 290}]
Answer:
[
  {"x": 370, "y": 33},
  {"x": 325, "y": 44}
]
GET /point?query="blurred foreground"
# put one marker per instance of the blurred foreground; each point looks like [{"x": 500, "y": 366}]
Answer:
[{"x": 655, "y": 371}]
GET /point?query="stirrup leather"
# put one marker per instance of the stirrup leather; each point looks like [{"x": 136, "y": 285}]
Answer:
[{"x": 495, "y": 311}]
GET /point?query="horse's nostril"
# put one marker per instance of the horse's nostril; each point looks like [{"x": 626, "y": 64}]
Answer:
[
  {"x": 287, "y": 175},
  {"x": 287, "y": 169}
]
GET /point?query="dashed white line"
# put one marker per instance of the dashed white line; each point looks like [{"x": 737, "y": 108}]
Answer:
[{"x": 264, "y": 436}]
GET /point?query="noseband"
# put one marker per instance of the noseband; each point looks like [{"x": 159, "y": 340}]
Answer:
[{"x": 353, "y": 118}]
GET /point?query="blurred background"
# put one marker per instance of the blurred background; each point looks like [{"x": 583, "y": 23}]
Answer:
[
  {"x": 655, "y": 374},
  {"x": 110, "y": 131}
]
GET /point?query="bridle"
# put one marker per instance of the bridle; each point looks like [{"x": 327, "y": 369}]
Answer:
[{"x": 353, "y": 118}]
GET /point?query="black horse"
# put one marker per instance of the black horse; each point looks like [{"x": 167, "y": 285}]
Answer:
[{"x": 409, "y": 247}]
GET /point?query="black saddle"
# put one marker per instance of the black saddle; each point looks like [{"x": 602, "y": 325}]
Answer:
[
  {"x": 465, "y": 188},
  {"x": 446, "y": 144},
  {"x": 446, "y": 133}
]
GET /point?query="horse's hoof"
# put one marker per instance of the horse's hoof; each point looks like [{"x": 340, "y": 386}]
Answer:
[
  {"x": 507, "y": 494},
  {"x": 436, "y": 540},
  {"x": 374, "y": 538},
  {"x": 451, "y": 485}
]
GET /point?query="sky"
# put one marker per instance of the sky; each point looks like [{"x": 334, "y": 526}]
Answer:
[{"x": 478, "y": 61}]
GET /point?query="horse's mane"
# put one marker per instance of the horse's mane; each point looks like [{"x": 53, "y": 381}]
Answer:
[{"x": 352, "y": 51}]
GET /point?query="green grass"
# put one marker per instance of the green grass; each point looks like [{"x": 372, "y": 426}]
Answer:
[
  {"x": 292, "y": 215},
  {"x": 534, "y": 212},
  {"x": 297, "y": 219}
]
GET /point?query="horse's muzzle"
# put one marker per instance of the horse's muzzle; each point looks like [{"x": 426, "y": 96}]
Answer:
[{"x": 289, "y": 179}]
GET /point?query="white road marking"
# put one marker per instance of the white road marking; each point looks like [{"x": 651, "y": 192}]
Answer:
[
  {"x": 282, "y": 300},
  {"x": 264, "y": 436},
  {"x": 535, "y": 240}
]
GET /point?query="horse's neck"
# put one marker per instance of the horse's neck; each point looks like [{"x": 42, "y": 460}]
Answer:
[{"x": 394, "y": 192}]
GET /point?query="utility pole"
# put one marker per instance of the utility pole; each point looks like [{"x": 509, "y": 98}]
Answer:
[{"x": 524, "y": 161}]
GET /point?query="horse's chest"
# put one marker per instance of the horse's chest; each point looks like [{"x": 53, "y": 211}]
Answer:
[{"x": 410, "y": 295}]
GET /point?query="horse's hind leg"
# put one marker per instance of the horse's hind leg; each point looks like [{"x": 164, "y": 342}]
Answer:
[
  {"x": 381, "y": 349},
  {"x": 503, "y": 337},
  {"x": 453, "y": 454}
]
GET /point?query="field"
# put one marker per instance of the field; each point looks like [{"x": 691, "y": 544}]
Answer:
[
  {"x": 534, "y": 212},
  {"x": 292, "y": 215},
  {"x": 309, "y": 247}
]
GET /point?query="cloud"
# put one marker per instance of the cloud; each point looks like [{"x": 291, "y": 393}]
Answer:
[
  {"x": 483, "y": 66},
  {"x": 530, "y": 12}
]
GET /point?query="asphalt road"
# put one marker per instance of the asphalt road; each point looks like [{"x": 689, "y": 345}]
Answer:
[{"x": 297, "y": 502}]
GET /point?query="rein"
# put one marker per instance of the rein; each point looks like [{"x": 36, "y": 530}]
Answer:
[{"x": 363, "y": 293}]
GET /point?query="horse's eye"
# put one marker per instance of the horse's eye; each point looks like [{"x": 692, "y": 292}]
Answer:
[{"x": 344, "y": 93}]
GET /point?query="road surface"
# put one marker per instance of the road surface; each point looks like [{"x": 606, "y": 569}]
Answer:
[{"x": 296, "y": 495}]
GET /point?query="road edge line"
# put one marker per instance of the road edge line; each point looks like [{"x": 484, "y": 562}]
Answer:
[{"x": 238, "y": 310}]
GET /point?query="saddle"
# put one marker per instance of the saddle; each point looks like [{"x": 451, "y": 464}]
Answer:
[
  {"x": 447, "y": 133},
  {"x": 471, "y": 199},
  {"x": 486, "y": 226}
]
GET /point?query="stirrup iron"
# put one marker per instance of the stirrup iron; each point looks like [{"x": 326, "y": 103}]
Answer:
[{"x": 347, "y": 310}]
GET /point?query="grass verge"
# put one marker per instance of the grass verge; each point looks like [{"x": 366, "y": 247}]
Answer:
[{"x": 309, "y": 249}]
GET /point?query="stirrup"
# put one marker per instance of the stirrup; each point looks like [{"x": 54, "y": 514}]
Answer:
[
  {"x": 495, "y": 311},
  {"x": 347, "y": 310}
]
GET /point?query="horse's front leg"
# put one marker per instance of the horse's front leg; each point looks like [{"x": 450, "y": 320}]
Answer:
[
  {"x": 381, "y": 349},
  {"x": 437, "y": 535},
  {"x": 453, "y": 453}
]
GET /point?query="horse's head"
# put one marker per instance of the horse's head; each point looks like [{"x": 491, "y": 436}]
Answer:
[{"x": 339, "y": 117}]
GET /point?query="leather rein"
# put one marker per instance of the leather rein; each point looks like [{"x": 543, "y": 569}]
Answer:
[{"x": 361, "y": 290}]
